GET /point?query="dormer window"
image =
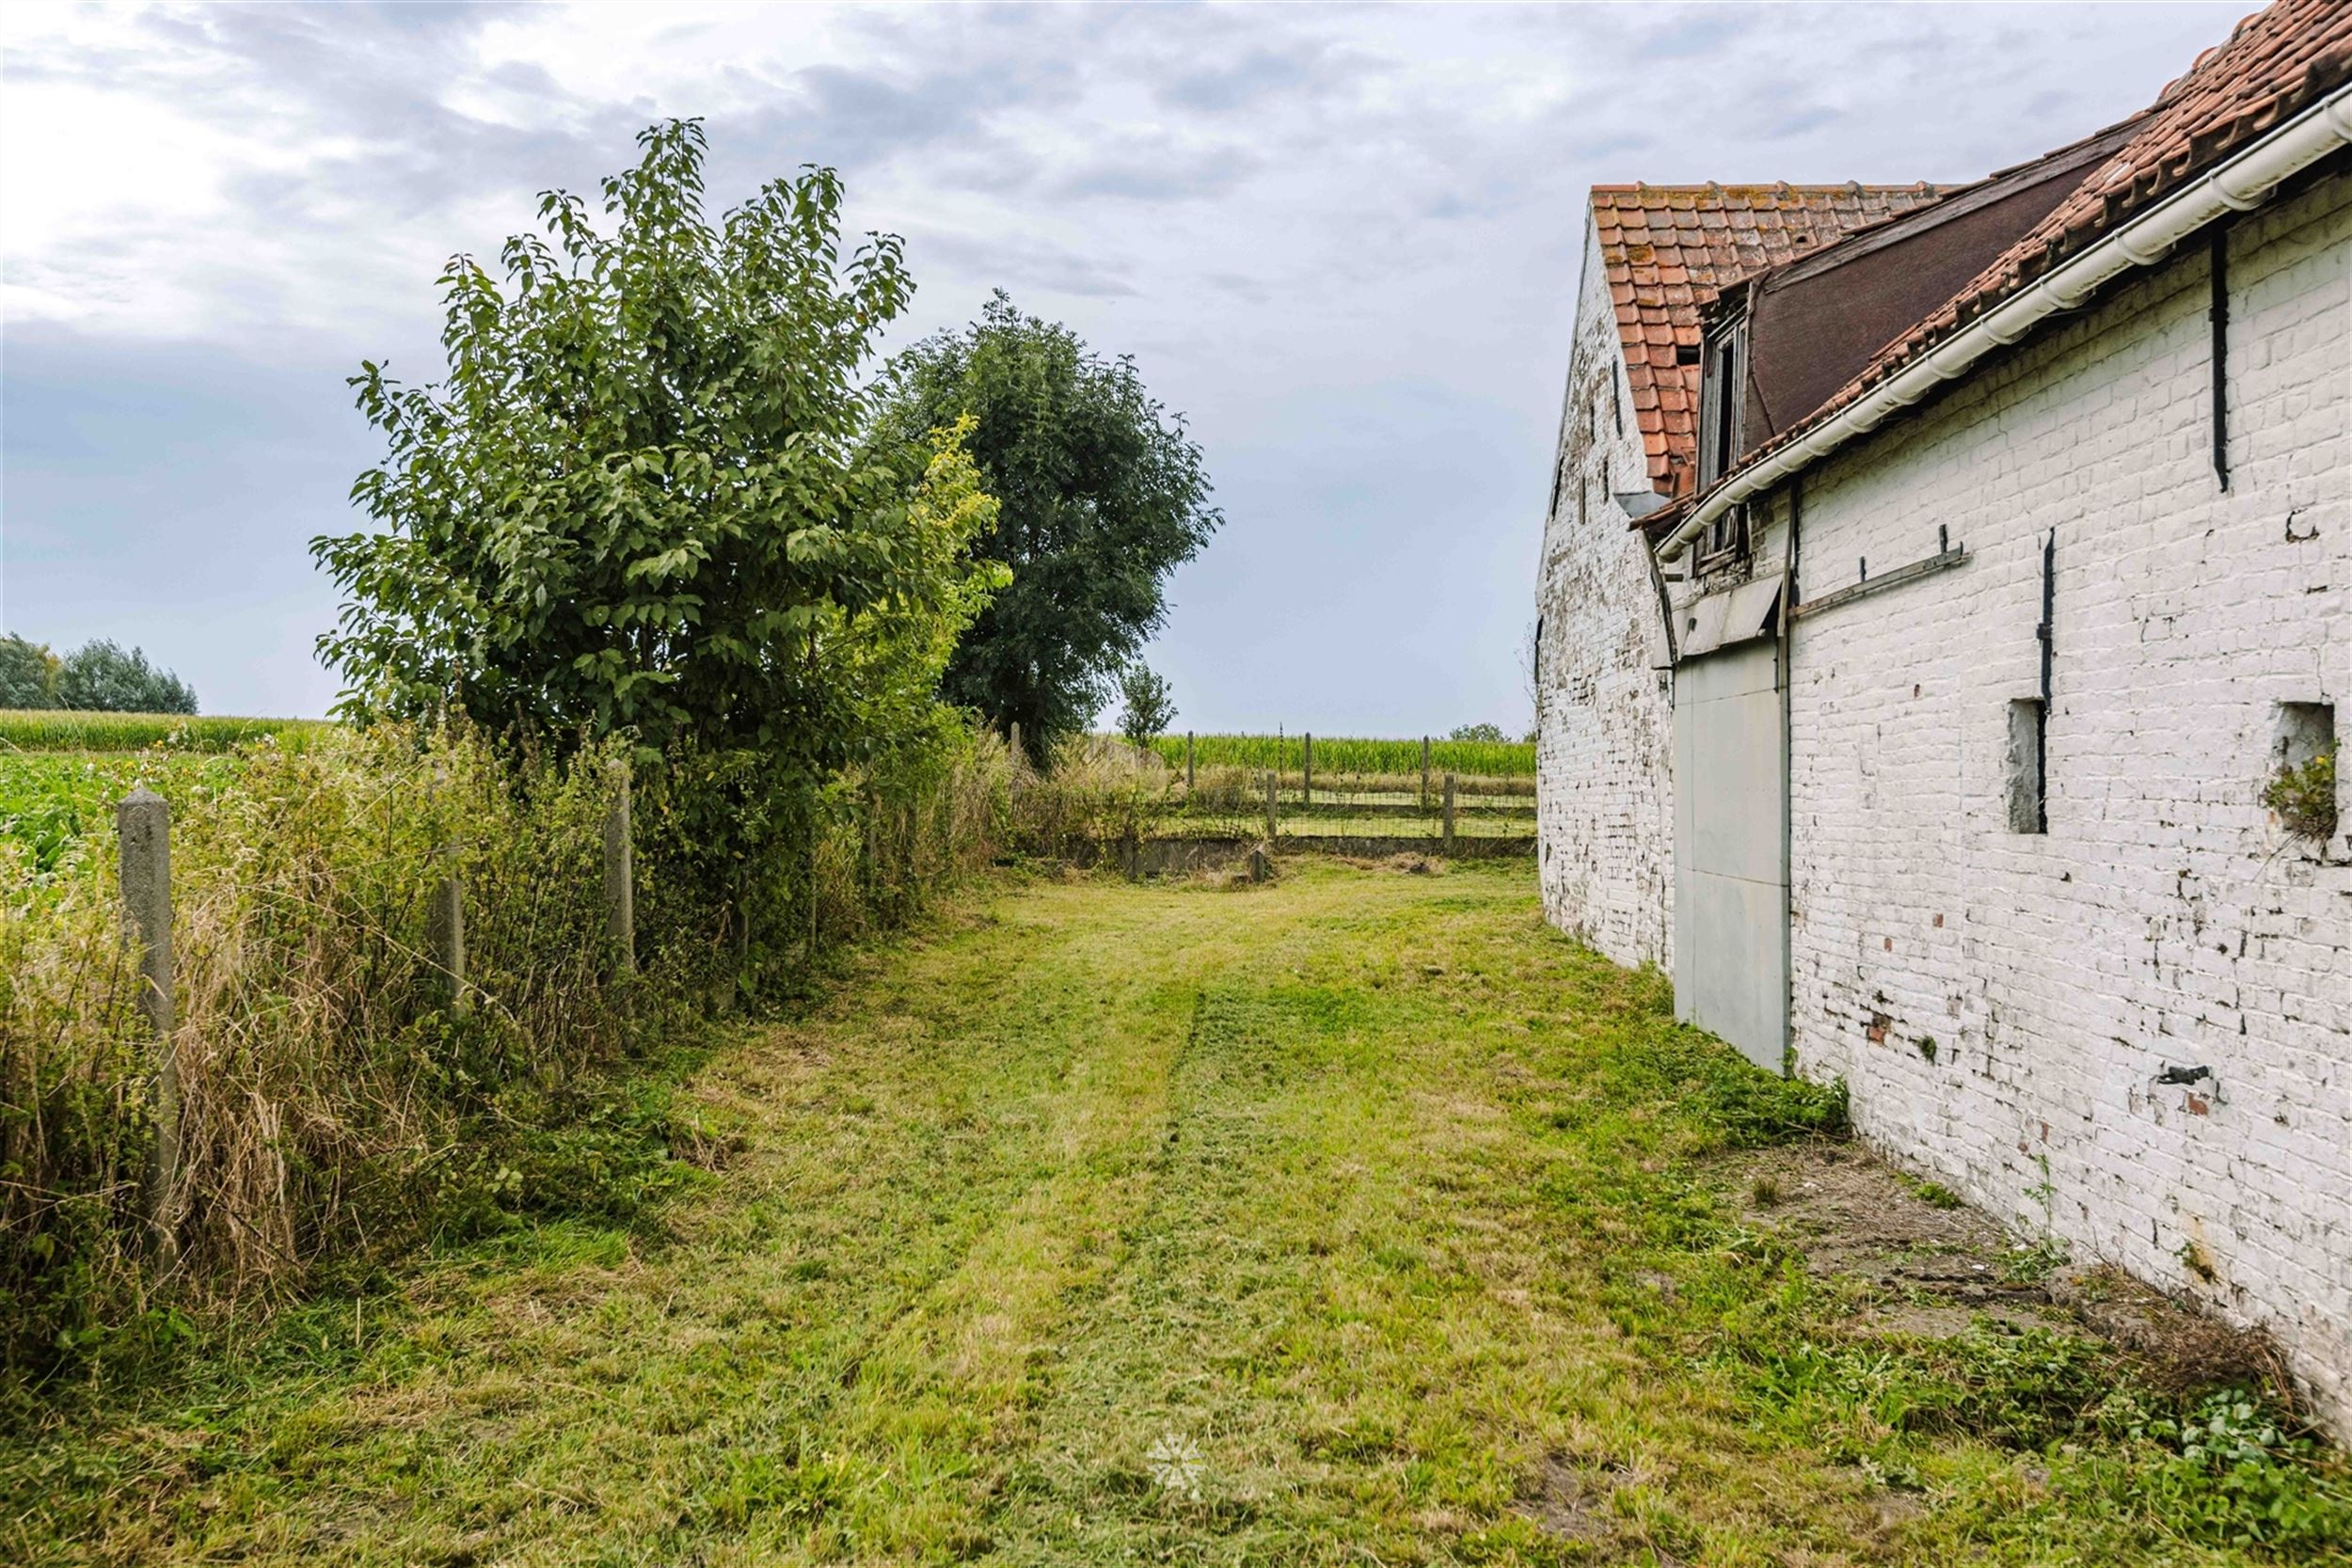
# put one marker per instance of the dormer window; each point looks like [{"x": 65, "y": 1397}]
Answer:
[{"x": 1722, "y": 383}]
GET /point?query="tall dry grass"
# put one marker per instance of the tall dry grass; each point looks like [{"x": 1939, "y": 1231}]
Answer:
[
  {"x": 321, "y": 1077},
  {"x": 334, "y": 1101},
  {"x": 1098, "y": 791}
]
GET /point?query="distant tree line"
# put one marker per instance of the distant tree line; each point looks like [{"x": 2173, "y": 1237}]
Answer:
[{"x": 99, "y": 676}]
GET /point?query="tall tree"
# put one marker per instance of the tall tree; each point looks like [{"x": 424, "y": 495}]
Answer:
[
  {"x": 28, "y": 673},
  {"x": 1149, "y": 707},
  {"x": 642, "y": 497},
  {"x": 1100, "y": 495},
  {"x": 102, "y": 677}
]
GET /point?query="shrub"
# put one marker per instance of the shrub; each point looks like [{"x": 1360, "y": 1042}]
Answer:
[{"x": 1149, "y": 708}]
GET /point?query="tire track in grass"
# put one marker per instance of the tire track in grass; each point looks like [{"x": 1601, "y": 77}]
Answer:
[{"x": 1178, "y": 1398}]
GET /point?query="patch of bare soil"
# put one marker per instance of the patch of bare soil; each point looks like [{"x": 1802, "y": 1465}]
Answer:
[
  {"x": 1408, "y": 864},
  {"x": 1568, "y": 1503},
  {"x": 1934, "y": 1265}
]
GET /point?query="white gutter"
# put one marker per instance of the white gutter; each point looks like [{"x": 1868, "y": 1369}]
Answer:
[{"x": 2243, "y": 181}]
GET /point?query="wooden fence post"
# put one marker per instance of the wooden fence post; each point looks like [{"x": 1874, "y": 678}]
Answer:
[
  {"x": 1425, "y": 772},
  {"x": 143, "y": 831},
  {"x": 1273, "y": 820},
  {"x": 1012, "y": 742},
  {"x": 1188, "y": 762},
  {"x": 1307, "y": 774},
  {"x": 1449, "y": 813},
  {"x": 620, "y": 883}
]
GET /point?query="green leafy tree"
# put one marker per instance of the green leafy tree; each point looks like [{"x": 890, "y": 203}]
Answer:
[
  {"x": 1150, "y": 708},
  {"x": 101, "y": 677},
  {"x": 641, "y": 498},
  {"x": 1476, "y": 732},
  {"x": 28, "y": 673},
  {"x": 1101, "y": 493}
]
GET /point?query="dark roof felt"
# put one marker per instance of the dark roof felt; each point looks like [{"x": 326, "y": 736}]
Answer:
[{"x": 1666, "y": 249}]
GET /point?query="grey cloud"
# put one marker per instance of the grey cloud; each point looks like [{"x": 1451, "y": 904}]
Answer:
[
  {"x": 1161, "y": 175},
  {"x": 1307, "y": 69},
  {"x": 1022, "y": 267}
]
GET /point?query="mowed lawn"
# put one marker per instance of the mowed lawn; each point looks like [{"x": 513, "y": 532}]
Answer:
[{"x": 1359, "y": 1218}]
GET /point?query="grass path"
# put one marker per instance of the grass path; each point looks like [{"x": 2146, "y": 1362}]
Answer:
[{"x": 1357, "y": 1219}]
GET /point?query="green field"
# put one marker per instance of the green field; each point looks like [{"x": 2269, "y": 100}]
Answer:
[
  {"x": 61, "y": 774},
  {"x": 1336, "y": 754},
  {"x": 35, "y": 730},
  {"x": 50, "y": 798}
]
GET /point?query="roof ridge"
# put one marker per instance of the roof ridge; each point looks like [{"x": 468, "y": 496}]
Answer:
[{"x": 1826, "y": 185}]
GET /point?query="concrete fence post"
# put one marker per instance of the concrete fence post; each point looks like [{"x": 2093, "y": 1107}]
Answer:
[
  {"x": 620, "y": 881},
  {"x": 1307, "y": 774},
  {"x": 1273, "y": 816},
  {"x": 1425, "y": 772},
  {"x": 1449, "y": 813},
  {"x": 445, "y": 916},
  {"x": 1012, "y": 742},
  {"x": 445, "y": 932},
  {"x": 143, "y": 831}
]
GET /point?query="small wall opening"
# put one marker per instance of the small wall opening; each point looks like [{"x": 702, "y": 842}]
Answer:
[
  {"x": 2028, "y": 811},
  {"x": 2302, "y": 788}
]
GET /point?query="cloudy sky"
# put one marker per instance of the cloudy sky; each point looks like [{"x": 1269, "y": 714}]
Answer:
[{"x": 1343, "y": 241}]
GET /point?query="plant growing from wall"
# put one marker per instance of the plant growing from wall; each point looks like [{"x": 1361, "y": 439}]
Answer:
[{"x": 2304, "y": 797}]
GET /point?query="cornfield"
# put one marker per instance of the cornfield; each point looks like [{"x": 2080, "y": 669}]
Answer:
[
  {"x": 1336, "y": 754},
  {"x": 38, "y": 730}
]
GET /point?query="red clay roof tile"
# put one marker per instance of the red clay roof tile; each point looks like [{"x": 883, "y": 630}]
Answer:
[{"x": 1668, "y": 248}]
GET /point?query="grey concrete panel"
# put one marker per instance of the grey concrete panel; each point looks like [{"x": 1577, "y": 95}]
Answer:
[{"x": 1731, "y": 929}]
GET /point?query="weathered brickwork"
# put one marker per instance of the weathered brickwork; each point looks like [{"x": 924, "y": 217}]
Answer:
[
  {"x": 2008, "y": 1007},
  {"x": 1604, "y": 722}
]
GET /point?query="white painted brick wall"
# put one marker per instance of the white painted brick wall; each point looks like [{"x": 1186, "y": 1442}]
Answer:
[
  {"x": 1604, "y": 722},
  {"x": 2165, "y": 921}
]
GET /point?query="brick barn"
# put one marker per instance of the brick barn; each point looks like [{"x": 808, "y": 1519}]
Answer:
[{"x": 1945, "y": 591}]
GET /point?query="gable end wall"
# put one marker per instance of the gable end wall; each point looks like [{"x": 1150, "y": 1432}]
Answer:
[{"x": 1604, "y": 722}]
